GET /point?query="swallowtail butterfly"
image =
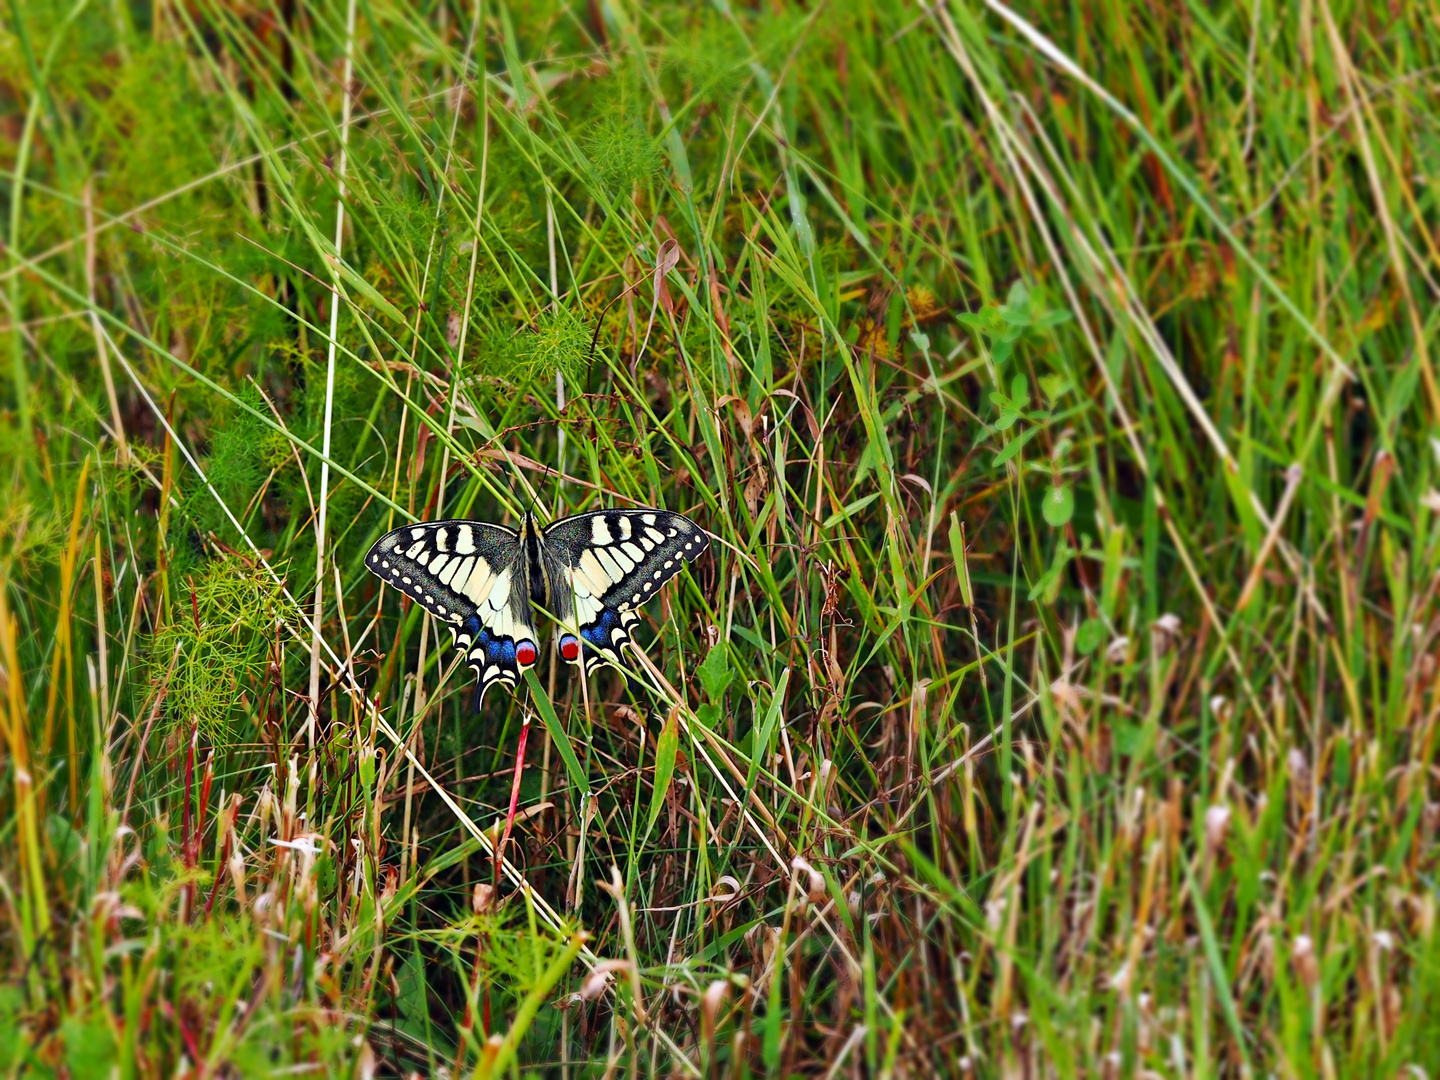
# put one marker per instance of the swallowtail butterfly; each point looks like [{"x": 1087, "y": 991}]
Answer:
[{"x": 593, "y": 572}]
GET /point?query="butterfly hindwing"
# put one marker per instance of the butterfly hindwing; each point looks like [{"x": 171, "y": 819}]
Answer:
[
  {"x": 468, "y": 575},
  {"x": 610, "y": 562}
]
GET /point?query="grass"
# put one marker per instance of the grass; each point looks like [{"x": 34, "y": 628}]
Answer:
[{"x": 1058, "y": 697}]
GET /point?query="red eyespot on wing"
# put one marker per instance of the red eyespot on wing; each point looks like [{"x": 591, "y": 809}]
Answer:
[
  {"x": 525, "y": 653},
  {"x": 569, "y": 647}
]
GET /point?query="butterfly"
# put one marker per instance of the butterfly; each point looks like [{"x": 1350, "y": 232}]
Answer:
[{"x": 592, "y": 572}]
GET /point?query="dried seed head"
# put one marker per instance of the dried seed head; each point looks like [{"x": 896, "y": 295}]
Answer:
[
  {"x": 995, "y": 911},
  {"x": 629, "y": 715},
  {"x": 1120, "y": 980},
  {"x": 1299, "y": 766},
  {"x": 710, "y": 1003},
  {"x": 1117, "y": 650},
  {"x": 1302, "y": 958},
  {"x": 1217, "y": 820},
  {"x": 594, "y": 985},
  {"x": 1165, "y": 632},
  {"x": 483, "y": 898},
  {"x": 815, "y": 881},
  {"x": 236, "y": 866}
]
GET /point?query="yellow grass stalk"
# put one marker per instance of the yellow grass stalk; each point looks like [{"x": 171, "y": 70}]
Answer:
[
  {"x": 62, "y": 654},
  {"x": 34, "y": 909}
]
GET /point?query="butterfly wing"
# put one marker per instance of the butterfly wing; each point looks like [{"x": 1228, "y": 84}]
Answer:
[
  {"x": 607, "y": 564},
  {"x": 466, "y": 574}
]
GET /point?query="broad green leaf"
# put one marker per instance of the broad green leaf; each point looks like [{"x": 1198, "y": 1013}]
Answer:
[
  {"x": 1018, "y": 301},
  {"x": 962, "y": 565},
  {"x": 1059, "y": 505},
  {"x": 1089, "y": 636},
  {"x": 1012, "y": 448},
  {"x": 360, "y": 285},
  {"x": 1048, "y": 586},
  {"x": 847, "y": 512},
  {"x": 714, "y": 671},
  {"x": 665, "y": 749}
]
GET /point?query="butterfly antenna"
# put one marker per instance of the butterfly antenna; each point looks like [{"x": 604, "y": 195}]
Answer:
[{"x": 514, "y": 795}]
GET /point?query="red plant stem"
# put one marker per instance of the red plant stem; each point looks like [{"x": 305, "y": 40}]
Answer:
[
  {"x": 189, "y": 778},
  {"x": 204, "y": 801},
  {"x": 174, "y": 1014},
  {"x": 468, "y": 1023},
  {"x": 514, "y": 798}
]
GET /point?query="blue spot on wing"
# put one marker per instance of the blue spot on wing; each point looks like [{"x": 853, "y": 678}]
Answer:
[
  {"x": 497, "y": 651},
  {"x": 598, "y": 633}
]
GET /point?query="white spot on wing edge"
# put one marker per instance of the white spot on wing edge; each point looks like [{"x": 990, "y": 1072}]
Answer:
[{"x": 600, "y": 531}]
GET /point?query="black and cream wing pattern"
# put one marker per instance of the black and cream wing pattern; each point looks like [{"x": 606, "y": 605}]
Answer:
[
  {"x": 592, "y": 572},
  {"x": 470, "y": 576},
  {"x": 608, "y": 564}
]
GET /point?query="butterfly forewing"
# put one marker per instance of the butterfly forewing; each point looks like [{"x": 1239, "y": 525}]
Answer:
[
  {"x": 609, "y": 563},
  {"x": 468, "y": 575}
]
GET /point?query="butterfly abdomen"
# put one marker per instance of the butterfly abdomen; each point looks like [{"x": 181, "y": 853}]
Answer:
[{"x": 532, "y": 547}]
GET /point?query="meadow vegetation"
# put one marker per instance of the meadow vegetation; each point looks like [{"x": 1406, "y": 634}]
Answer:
[{"x": 1057, "y": 698}]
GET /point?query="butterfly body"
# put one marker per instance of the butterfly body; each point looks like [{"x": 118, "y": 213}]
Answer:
[{"x": 592, "y": 573}]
